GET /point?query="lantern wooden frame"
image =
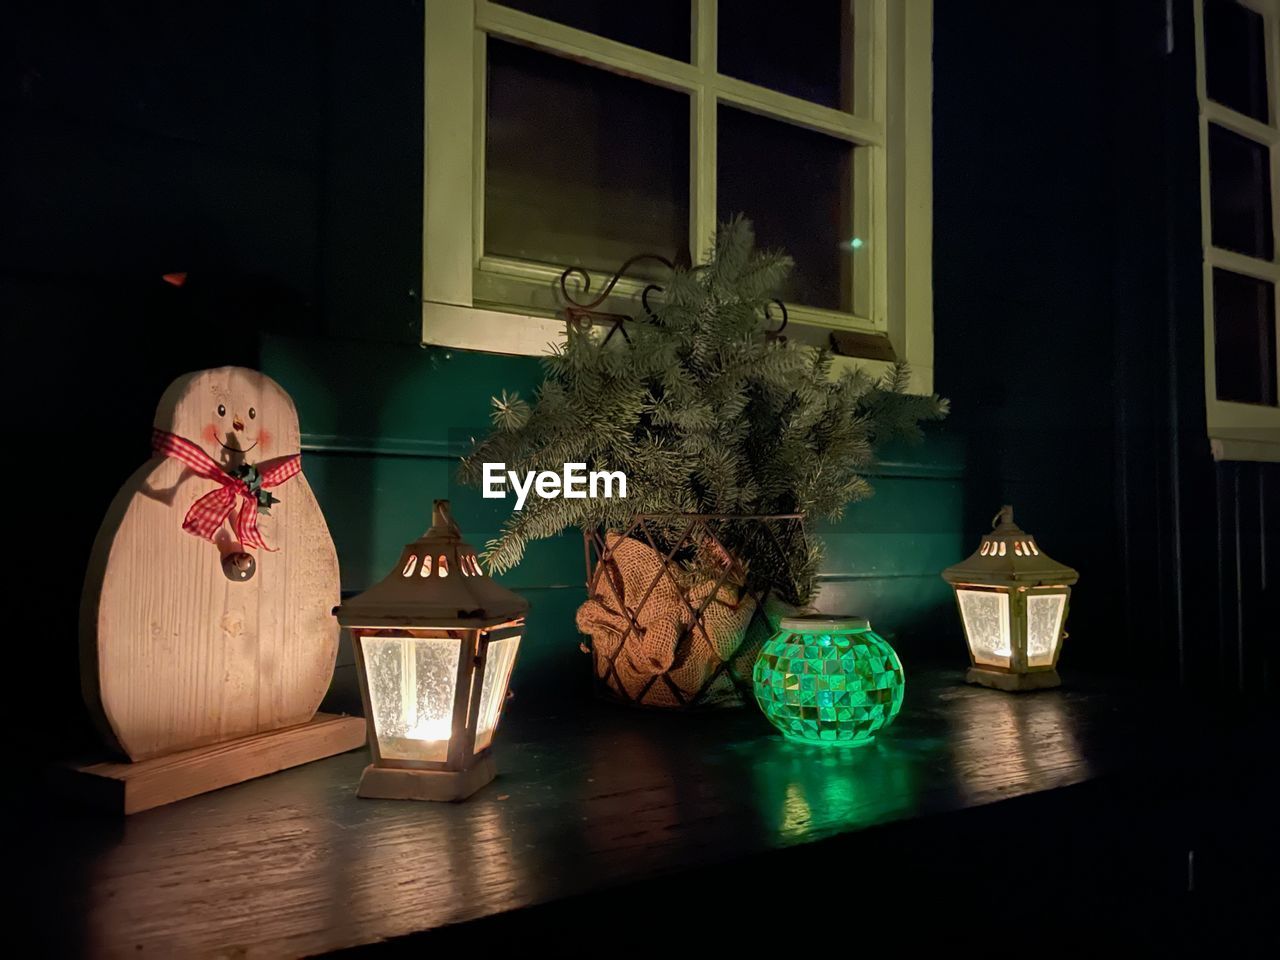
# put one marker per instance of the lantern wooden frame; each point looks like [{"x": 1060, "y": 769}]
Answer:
[
  {"x": 418, "y": 603},
  {"x": 465, "y": 769},
  {"x": 1009, "y": 563}
]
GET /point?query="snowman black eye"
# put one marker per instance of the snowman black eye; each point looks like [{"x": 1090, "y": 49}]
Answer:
[
  {"x": 252, "y": 413},
  {"x": 222, "y": 409}
]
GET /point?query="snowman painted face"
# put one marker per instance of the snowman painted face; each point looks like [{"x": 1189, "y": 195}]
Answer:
[
  {"x": 234, "y": 425},
  {"x": 236, "y": 415}
]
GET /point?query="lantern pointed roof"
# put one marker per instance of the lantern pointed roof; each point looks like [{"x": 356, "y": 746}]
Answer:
[
  {"x": 1008, "y": 554},
  {"x": 438, "y": 582}
]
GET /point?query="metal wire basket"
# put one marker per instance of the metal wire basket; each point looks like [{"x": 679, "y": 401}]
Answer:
[{"x": 675, "y": 618}]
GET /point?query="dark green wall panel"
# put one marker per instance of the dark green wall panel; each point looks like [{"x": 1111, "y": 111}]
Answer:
[
  {"x": 374, "y": 397},
  {"x": 275, "y": 154},
  {"x": 375, "y": 504},
  {"x": 383, "y": 426},
  {"x": 911, "y": 526}
]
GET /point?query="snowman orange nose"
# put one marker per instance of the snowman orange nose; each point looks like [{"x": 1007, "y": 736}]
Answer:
[{"x": 238, "y": 423}]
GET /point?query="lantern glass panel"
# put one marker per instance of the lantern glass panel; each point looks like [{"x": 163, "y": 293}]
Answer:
[
  {"x": 986, "y": 622},
  {"x": 1044, "y": 627},
  {"x": 412, "y": 684},
  {"x": 499, "y": 660}
]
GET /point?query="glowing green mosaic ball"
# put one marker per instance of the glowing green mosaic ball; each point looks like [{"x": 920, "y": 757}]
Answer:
[{"x": 830, "y": 681}]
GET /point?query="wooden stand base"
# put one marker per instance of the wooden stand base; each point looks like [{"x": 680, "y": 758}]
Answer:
[
  {"x": 1013, "y": 682},
  {"x": 124, "y": 788},
  {"x": 394, "y": 783}
]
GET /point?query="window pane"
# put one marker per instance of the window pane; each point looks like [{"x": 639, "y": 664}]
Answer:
[
  {"x": 582, "y": 167},
  {"x": 1244, "y": 338},
  {"x": 1239, "y": 193},
  {"x": 1044, "y": 627},
  {"x": 663, "y": 26},
  {"x": 796, "y": 186},
  {"x": 986, "y": 622},
  {"x": 807, "y": 55},
  {"x": 412, "y": 681},
  {"x": 1235, "y": 57},
  {"x": 493, "y": 690}
]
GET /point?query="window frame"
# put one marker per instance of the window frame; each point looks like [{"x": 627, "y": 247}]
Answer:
[
  {"x": 1239, "y": 431},
  {"x": 475, "y": 301}
]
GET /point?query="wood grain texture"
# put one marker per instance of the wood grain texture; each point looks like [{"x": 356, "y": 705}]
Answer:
[
  {"x": 127, "y": 788},
  {"x": 174, "y": 654},
  {"x": 585, "y": 801}
]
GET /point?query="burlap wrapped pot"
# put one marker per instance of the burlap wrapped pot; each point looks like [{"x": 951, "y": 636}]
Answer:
[{"x": 659, "y": 639}]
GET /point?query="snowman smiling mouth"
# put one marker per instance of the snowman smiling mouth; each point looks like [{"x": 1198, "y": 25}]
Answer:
[{"x": 238, "y": 449}]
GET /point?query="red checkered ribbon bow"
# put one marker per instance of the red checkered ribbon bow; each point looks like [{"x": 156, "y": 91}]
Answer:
[{"x": 210, "y": 512}]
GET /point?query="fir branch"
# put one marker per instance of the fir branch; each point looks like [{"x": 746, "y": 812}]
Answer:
[{"x": 703, "y": 416}]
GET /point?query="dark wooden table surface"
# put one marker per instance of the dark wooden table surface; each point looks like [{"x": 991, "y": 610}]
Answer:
[{"x": 588, "y": 802}]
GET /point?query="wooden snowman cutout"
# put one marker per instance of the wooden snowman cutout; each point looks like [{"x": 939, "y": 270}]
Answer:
[{"x": 207, "y": 616}]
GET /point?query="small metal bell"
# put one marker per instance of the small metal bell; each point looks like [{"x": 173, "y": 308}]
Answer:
[{"x": 239, "y": 566}]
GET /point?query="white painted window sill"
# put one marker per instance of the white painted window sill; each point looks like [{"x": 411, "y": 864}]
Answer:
[{"x": 527, "y": 335}]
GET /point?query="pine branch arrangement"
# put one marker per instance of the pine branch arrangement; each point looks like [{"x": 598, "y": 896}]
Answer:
[{"x": 704, "y": 416}]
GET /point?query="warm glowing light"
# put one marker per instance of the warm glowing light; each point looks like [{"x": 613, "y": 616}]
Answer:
[
  {"x": 1044, "y": 627},
  {"x": 986, "y": 615},
  {"x": 434, "y": 657},
  {"x": 411, "y": 693},
  {"x": 497, "y": 675},
  {"x": 1014, "y": 610},
  {"x": 438, "y": 729}
]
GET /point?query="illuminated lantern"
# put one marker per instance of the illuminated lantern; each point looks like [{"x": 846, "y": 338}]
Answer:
[
  {"x": 435, "y": 643},
  {"x": 831, "y": 681},
  {"x": 1013, "y": 601}
]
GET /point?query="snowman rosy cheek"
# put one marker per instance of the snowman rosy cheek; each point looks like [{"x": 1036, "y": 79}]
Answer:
[
  {"x": 210, "y": 433},
  {"x": 264, "y": 438}
]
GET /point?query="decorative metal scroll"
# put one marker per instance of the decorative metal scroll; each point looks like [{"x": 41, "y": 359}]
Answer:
[{"x": 582, "y": 315}]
